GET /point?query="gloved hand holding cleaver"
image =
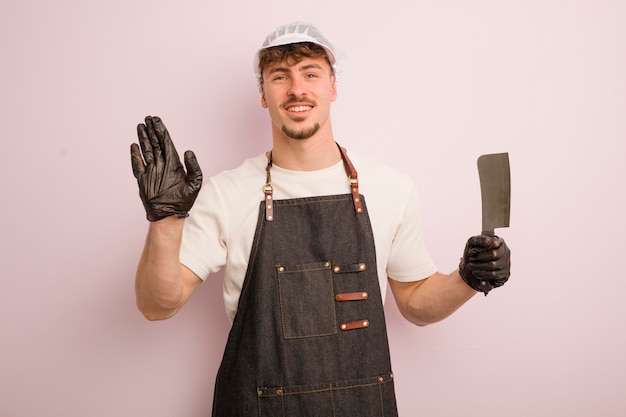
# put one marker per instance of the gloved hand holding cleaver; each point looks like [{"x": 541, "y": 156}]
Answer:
[{"x": 486, "y": 260}]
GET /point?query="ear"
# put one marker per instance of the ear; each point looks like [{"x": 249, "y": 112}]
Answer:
[
  {"x": 333, "y": 88},
  {"x": 263, "y": 101}
]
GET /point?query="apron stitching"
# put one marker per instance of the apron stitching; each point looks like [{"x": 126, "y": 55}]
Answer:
[
  {"x": 302, "y": 203},
  {"x": 382, "y": 405},
  {"x": 331, "y": 387},
  {"x": 282, "y": 401}
]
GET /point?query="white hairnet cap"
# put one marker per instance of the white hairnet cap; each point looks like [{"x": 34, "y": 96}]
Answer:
[{"x": 298, "y": 32}]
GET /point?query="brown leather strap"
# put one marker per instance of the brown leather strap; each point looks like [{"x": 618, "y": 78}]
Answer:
[
  {"x": 269, "y": 191},
  {"x": 354, "y": 180},
  {"x": 351, "y": 296},
  {"x": 359, "y": 324}
]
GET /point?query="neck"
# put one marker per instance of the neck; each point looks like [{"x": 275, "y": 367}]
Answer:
[{"x": 317, "y": 152}]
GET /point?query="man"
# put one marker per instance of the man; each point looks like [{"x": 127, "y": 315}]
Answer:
[{"x": 308, "y": 244}]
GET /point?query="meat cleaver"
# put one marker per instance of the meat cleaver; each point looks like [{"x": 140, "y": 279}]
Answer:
[{"x": 495, "y": 188}]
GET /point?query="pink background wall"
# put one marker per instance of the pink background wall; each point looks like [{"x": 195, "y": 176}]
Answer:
[{"x": 430, "y": 86}]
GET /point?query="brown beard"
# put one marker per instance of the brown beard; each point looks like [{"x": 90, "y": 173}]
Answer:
[{"x": 301, "y": 134}]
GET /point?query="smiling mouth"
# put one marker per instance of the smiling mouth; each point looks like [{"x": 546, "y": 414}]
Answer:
[{"x": 299, "y": 109}]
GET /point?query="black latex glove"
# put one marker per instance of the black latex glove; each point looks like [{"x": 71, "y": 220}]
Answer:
[
  {"x": 164, "y": 186},
  {"x": 486, "y": 263}
]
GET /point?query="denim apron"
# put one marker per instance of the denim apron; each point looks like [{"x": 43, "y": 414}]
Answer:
[{"x": 309, "y": 336}]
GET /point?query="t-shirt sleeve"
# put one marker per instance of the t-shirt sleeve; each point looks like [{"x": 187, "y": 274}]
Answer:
[
  {"x": 203, "y": 248},
  {"x": 409, "y": 259}
]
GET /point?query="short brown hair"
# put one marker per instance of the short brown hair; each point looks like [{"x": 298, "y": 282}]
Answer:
[{"x": 291, "y": 54}]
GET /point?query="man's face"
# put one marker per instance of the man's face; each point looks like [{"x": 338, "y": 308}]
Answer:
[{"x": 298, "y": 97}]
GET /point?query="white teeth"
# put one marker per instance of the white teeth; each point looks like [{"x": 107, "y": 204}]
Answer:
[{"x": 298, "y": 109}]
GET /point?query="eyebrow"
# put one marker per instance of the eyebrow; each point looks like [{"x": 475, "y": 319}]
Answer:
[
  {"x": 309, "y": 66},
  {"x": 302, "y": 68}
]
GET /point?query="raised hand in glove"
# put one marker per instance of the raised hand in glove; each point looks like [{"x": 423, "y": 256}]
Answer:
[
  {"x": 486, "y": 263},
  {"x": 164, "y": 186}
]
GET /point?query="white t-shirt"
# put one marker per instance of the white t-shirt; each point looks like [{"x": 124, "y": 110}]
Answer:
[{"x": 221, "y": 225}]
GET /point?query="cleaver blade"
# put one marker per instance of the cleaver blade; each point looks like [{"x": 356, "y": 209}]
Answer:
[{"x": 495, "y": 188}]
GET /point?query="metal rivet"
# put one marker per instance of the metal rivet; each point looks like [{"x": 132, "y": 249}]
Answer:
[
  {"x": 279, "y": 391},
  {"x": 336, "y": 269},
  {"x": 362, "y": 267},
  {"x": 327, "y": 264},
  {"x": 364, "y": 295},
  {"x": 281, "y": 269},
  {"x": 366, "y": 323},
  {"x": 359, "y": 210},
  {"x": 380, "y": 379},
  {"x": 269, "y": 197},
  {"x": 270, "y": 218},
  {"x": 357, "y": 199},
  {"x": 269, "y": 206},
  {"x": 338, "y": 297},
  {"x": 259, "y": 392},
  {"x": 344, "y": 327}
]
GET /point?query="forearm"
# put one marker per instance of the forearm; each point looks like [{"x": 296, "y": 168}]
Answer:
[
  {"x": 432, "y": 299},
  {"x": 159, "y": 284}
]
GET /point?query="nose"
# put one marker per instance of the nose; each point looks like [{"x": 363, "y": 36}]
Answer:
[{"x": 297, "y": 87}]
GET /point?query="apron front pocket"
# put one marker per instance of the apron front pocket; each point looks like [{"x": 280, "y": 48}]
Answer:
[
  {"x": 307, "y": 304},
  {"x": 367, "y": 397}
]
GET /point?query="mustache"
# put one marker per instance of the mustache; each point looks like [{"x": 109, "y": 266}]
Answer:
[{"x": 294, "y": 100}]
